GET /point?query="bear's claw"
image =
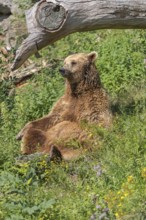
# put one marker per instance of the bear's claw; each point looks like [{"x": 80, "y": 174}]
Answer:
[{"x": 19, "y": 136}]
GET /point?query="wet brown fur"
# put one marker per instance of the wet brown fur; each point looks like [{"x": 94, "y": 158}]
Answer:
[{"x": 84, "y": 99}]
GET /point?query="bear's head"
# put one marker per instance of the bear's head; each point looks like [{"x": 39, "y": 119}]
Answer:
[
  {"x": 80, "y": 73},
  {"x": 77, "y": 67}
]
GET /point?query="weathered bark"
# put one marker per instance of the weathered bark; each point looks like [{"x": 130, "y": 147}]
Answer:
[{"x": 50, "y": 20}]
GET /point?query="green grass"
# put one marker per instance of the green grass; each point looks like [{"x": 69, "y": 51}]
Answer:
[{"x": 109, "y": 181}]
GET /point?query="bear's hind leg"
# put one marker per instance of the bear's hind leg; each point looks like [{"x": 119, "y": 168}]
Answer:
[{"x": 57, "y": 154}]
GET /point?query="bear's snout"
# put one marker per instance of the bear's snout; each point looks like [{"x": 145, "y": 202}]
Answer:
[{"x": 62, "y": 70}]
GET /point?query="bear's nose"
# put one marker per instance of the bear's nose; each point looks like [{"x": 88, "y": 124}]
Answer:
[{"x": 62, "y": 71}]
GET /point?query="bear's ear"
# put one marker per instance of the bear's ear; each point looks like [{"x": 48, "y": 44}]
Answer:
[{"x": 92, "y": 56}]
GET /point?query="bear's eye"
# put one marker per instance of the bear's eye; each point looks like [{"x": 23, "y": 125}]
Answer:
[{"x": 73, "y": 63}]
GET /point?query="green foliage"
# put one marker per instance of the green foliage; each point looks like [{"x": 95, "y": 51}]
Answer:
[{"x": 106, "y": 183}]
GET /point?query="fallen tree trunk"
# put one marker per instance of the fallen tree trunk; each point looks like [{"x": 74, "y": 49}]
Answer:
[{"x": 50, "y": 20}]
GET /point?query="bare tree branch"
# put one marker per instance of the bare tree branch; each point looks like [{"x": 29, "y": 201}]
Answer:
[{"x": 50, "y": 20}]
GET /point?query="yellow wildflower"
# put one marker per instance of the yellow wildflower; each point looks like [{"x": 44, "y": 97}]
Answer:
[
  {"x": 143, "y": 173},
  {"x": 130, "y": 179},
  {"x": 90, "y": 135},
  {"x": 117, "y": 214},
  {"x": 126, "y": 194}
]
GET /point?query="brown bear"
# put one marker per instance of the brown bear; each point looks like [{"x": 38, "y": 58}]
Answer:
[{"x": 84, "y": 100}]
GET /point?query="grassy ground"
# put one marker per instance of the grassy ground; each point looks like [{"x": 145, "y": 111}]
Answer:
[{"x": 108, "y": 183}]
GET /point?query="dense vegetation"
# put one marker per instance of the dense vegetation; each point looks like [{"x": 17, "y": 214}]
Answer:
[{"x": 108, "y": 183}]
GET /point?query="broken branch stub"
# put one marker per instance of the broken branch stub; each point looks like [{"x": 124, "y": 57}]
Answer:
[
  {"x": 42, "y": 19},
  {"x": 50, "y": 16},
  {"x": 50, "y": 20}
]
